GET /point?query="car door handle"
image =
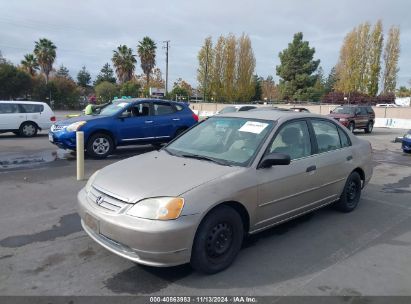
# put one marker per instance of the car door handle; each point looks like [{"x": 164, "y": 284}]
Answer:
[
  {"x": 311, "y": 168},
  {"x": 349, "y": 158},
  {"x": 148, "y": 121},
  {"x": 176, "y": 119}
]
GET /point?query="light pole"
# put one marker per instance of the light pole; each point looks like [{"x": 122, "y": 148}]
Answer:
[{"x": 166, "y": 47}]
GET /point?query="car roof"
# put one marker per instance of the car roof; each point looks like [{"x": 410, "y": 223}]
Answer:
[
  {"x": 270, "y": 115},
  {"x": 22, "y": 102},
  {"x": 144, "y": 99}
]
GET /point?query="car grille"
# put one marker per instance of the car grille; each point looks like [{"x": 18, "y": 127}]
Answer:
[
  {"x": 55, "y": 128},
  {"x": 105, "y": 201}
]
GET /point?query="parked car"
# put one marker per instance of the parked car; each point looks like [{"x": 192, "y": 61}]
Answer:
[
  {"x": 125, "y": 122},
  {"x": 406, "y": 142},
  {"x": 270, "y": 108},
  {"x": 228, "y": 177},
  {"x": 355, "y": 117},
  {"x": 299, "y": 109},
  {"x": 25, "y": 118},
  {"x": 236, "y": 108}
]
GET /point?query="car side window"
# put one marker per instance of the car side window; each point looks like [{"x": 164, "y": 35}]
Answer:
[
  {"x": 345, "y": 142},
  {"x": 293, "y": 139},
  {"x": 31, "y": 108},
  {"x": 179, "y": 107},
  {"x": 8, "y": 108},
  {"x": 327, "y": 135},
  {"x": 163, "y": 109}
]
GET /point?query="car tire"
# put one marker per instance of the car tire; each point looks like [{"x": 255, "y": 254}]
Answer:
[
  {"x": 218, "y": 240},
  {"x": 100, "y": 145},
  {"x": 369, "y": 127},
  {"x": 28, "y": 129},
  {"x": 351, "y": 126},
  {"x": 351, "y": 194}
]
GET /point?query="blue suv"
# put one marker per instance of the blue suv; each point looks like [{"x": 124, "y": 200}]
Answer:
[{"x": 125, "y": 122}]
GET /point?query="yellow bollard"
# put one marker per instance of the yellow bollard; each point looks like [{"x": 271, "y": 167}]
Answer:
[{"x": 80, "y": 154}]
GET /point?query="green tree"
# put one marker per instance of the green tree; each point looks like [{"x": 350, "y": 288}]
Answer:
[
  {"x": 30, "y": 64},
  {"x": 130, "y": 88},
  {"x": 330, "y": 81},
  {"x": 296, "y": 69},
  {"x": 217, "y": 70},
  {"x": 230, "y": 60},
  {"x": 205, "y": 63},
  {"x": 146, "y": 50},
  {"x": 63, "y": 72},
  {"x": 106, "y": 74},
  {"x": 391, "y": 56},
  {"x": 64, "y": 92},
  {"x": 106, "y": 91},
  {"x": 375, "y": 58},
  {"x": 83, "y": 77},
  {"x": 124, "y": 62},
  {"x": 245, "y": 69},
  {"x": 269, "y": 89},
  {"x": 13, "y": 82},
  {"x": 258, "y": 89},
  {"x": 181, "y": 90},
  {"x": 45, "y": 52}
]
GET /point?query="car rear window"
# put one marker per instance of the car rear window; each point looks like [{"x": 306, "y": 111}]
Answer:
[
  {"x": 163, "y": 109},
  {"x": 31, "y": 108}
]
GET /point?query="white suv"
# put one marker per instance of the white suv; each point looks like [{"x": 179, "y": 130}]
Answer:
[{"x": 25, "y": 118}]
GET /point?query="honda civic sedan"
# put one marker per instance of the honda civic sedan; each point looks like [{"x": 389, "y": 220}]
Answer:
[{"x": 232, "y": 175}]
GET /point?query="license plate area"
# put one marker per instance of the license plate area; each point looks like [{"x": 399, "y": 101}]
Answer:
[{"x": 92, "y": 223}]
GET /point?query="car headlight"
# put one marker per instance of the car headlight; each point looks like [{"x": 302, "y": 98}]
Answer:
[
  {"x": 158, "y": 208},
  {"x": 75, "y": 126},
  {"x": 408, "y": 136},
  {"x": 91, "y": 180},
  {"x": 343, "y": 119}
]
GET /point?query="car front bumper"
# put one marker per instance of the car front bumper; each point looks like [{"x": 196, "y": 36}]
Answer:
[
  {"x": 149, "y": 242},
  {"x": 406, "y": 145},
  {"x": 63, "y": 139}
]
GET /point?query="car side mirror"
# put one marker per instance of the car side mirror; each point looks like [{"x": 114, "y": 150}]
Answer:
[{"x": 275, "y": 159}]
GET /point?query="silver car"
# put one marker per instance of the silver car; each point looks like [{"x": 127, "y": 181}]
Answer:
[{"x": 230, "y": 176}]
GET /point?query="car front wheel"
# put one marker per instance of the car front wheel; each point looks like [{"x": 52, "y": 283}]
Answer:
[
  {"x": 369, "y": 127},
  {"x": 218, "y": 240},
  {"x": 100, "y": 145},
  {"x": 351, "y": 194}
]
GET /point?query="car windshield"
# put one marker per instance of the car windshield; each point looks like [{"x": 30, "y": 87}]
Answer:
[
  {"x": 113, "y": 108},
  {"x": 224, "y": 140},
  {"x": 228, "y": 110},
  {"x": 343, "y": 110}
]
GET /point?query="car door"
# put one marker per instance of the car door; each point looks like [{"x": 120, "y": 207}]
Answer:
[
  {"x": 334, "y": 158},
  {"x": 361, "y": 117},
  {"x": 10, "y": 116},
  {"x": 34, "y": 113},
  {"x": 166, "y": 120},
  {"x": 285, "y": 191},
  {"x": 134, "y": 123}
]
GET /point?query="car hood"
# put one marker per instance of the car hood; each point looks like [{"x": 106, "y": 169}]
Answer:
[
  {"x": 69, "y": 121},
  {"x": 157, "y": 173},
  {"x": 335, "y": 115}
]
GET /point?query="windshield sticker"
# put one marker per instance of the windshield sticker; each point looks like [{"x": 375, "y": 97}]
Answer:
[
  {"x": 253, "y": 127},
  {"x": 122, "y": 104}
]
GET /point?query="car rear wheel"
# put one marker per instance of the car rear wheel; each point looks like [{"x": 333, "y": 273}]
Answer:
[
  {"x": 369, "y": 127},
  {"x": 218, "y": 240},
  {"x": 100, "y": 145},
  {"x": 351, "y": 126},
  {"x": 28, "y": 129},
  {"x": 351, "y": 194}
]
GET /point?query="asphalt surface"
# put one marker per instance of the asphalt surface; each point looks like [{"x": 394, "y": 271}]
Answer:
[{"x": 43, "y": 250}]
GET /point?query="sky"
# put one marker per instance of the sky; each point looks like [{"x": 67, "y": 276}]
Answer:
[{"x": 86, "y": 32}]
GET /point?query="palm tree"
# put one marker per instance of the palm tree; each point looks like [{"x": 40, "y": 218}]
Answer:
[
  {"x": 30, "y": 64},
  {"x": 124, "y": 61},
  {"x": 147, "y": 52},
  {"x": 45, "y": 51}
]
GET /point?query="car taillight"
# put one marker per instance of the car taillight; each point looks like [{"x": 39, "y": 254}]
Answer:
[
  {"x": 195, "y": 116},
  {"x": 53, "y": 118}
]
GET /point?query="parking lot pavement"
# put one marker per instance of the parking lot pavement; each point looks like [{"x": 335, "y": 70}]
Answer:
[{"x": 43, "y": 250}]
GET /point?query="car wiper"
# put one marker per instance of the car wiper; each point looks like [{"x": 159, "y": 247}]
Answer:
[{"x": 201, "y": 157}]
